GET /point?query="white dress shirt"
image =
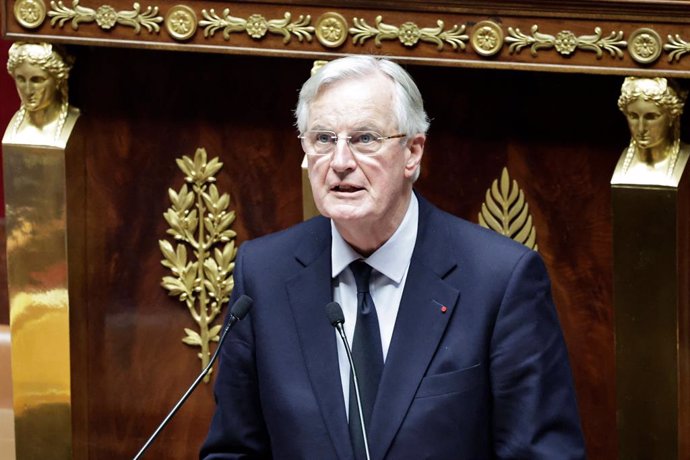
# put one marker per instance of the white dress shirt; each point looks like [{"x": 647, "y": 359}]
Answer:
[{"x": 390, "y": 264}]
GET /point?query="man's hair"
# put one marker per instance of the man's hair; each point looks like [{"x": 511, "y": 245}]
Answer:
[{"x": 408, "y": 106}]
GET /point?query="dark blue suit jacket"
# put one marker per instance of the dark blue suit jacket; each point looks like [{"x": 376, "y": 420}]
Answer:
[{"x": 489, "y": 378}]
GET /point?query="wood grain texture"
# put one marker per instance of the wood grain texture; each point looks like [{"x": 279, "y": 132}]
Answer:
[{"x": 560, "y": 136}]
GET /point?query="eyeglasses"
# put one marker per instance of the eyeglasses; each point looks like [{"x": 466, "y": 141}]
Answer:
[{"x": 320, "y": 143}]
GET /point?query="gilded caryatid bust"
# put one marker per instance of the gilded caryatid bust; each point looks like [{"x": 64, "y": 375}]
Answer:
[
  {"x": 40, "y": 72},
  {"x": 655, "y": 155}
]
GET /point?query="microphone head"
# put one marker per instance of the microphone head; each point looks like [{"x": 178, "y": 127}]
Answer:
[
  {"x": 241, "y": 307},
  {"x": 335, "y": 313}
]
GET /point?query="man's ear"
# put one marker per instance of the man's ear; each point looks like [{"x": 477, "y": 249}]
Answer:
[{"x": 415, "y": 146}]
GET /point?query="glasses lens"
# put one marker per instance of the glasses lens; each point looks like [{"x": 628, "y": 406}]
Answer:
[
  {"x": 365, "y": 142},
  {"x": 319, "y": 142}
]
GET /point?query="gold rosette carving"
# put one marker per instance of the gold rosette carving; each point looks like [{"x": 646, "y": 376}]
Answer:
[
  {"x": 180, "y": 22},
  {"x": 409, "y": 34},
  {"x": 487, "y": 38},
  {"x": 566, "y": 42},
  {"x": 30, "y": 13},
  {"x": 256, "y": 26},
  {"x": 199, "y": 221},
  {"x": 105, "y": 16},
  {"x": 331, "y": 30},
  {"x": 644, "y": 45},
  {"x": 506, "y": 212}
]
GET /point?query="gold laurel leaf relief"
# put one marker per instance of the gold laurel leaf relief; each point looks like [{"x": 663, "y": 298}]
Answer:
[
  {"x": 506, "y": 211},
  {"x": 645, "y": 45},
  {"x": 331, "y": 29},
  {"x": 199, "y": 223},
  {"x": 487, "y": 38},
  {"x": 181, "y": 22},
  {"x": 30, "y": 14}
]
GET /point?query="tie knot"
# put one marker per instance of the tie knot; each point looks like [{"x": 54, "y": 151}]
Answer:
[{"x": 362, "y": 271}]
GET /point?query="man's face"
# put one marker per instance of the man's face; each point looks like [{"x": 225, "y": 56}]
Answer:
[
  {"x": 649, "y": 125},
  {"x": 35, "y": 86},
  {"x": 355, "y": 189}
]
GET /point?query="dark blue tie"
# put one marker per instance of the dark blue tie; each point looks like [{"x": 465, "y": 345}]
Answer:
[{"x": 367, "y": 355}]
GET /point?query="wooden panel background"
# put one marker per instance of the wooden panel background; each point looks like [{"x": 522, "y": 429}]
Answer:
[{"x": 559, "y": 134}]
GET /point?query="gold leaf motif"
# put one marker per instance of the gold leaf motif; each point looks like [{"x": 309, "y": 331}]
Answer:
[
  {"x": 199, "y": 219},
  {"x": 676, "y": 47},
  {"x": 409, "y": 34},
  {"x": 506, "y": 212},
  {"x": 105, "y": 16},
  {"x": 566, "y": 42},
  {"x": 256, "y": 26}
]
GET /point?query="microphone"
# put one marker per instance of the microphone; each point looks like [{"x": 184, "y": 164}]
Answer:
[
  {"x": 337, "y": 319},
  {"x": 237, "y": 312}
]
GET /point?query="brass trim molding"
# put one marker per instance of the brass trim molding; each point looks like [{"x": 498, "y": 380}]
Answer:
[
  {"x": 199, "y": 220},
  {"x": 105, "y": 16},
  {"x": 505, "y": 211},
  {"x": 565, "y": 42},
  {"x": 256, "y": 25}
]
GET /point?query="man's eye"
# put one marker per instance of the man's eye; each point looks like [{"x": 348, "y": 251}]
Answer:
[
  {"x": 324, "y": 138},
  {"x": 364, "y": 138}
]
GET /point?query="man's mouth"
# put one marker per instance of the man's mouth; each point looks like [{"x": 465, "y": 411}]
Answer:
[{"x": 344, "y": 188}]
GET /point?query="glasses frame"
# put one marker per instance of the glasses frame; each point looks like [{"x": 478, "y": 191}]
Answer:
[{"x": 335, "y": 139}]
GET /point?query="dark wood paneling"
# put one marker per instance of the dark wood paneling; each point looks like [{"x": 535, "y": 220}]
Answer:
[{"x": 559, "y": 135}]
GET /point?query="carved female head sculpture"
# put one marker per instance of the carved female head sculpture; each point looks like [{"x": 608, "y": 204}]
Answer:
[
  {"x": 40, "y": 72},
  {"x": 653, "y": 107}
]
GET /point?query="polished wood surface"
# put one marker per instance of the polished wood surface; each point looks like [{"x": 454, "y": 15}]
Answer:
[
  {"x": 611, "y": 25},
  {"x": 560, "y": 136}
]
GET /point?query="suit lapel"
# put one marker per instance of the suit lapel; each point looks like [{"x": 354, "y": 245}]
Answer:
[
  {"x": 309, "y": 291},
  {"x": 420, "y": 324}
]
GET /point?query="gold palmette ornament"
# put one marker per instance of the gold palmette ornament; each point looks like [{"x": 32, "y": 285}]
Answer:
[
  {"x": 505, "y": 211},
  {"x": 199, "y": 220}
]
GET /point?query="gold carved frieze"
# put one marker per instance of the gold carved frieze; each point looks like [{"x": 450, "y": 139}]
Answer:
[
  {"x": 506, "y": 211},
  {"x": 105, "y": 16},
  {"x": 256, "y": 25},
  {"x": 428, "y": 34},
  {"x": 566, "y": 42},
  {"x": 408, "y": 33},
  {"x": 200, "y": 223}
]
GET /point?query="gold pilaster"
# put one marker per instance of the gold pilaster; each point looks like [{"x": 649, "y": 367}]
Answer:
[
  {"x": 35, "y": 196},
  {"x": 650, "y": 249}
]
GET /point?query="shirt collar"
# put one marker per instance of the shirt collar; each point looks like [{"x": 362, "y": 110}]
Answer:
[{"x": 392, "y": 258}]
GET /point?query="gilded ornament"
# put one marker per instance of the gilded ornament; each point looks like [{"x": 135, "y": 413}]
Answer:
[
  {"x": 505, "y": 211},
  {"x": 565, "y": 42},
  {"x": 644, "y": 46},
  {"x": 408, "y": 33},
  {"x": 331, "y": 29},
  {"x": 180, "y": 22},
  {"x": 105, "y": 16},
  {"x": 487, "y": 38},
  {"x": 256, "y": 26},
  {"x": 200, "y": 222},
  {"x": 316, "y": 66},
  {"x": 676, "y": 47},
  {"x": 30, "y": 13}
]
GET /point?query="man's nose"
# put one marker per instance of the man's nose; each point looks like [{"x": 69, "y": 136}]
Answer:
[{"x": 343, "y": 158}]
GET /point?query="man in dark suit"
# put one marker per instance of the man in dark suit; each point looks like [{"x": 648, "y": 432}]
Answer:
[{"x": 456, "y": 342}]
